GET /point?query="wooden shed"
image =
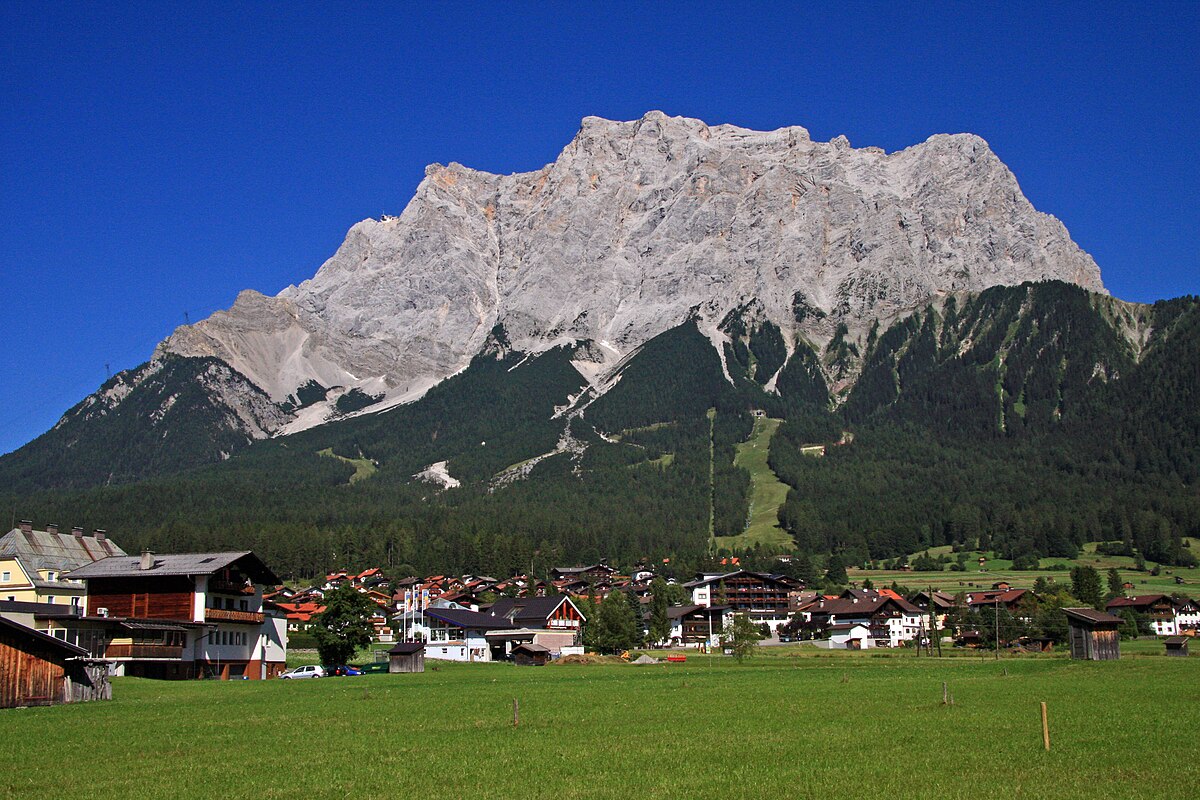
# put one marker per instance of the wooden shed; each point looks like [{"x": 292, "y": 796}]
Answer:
[
  {"x": 1094, "y": 634},
  {"x": 407, "y": 657},
  {"x": 39, "y": 670},
  {"x": 531, "y": 655},
  {"x": 1177, "y": 645}
]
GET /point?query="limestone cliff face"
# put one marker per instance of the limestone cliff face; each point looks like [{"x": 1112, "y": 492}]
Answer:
[{"x": 634, "y": 227}]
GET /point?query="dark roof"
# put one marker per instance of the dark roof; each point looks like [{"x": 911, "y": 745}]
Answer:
[
  {"x": 532, "y": 648},
  {"x": 863, "y": 606},
  {"x": 406, "y": 648},
  {"x": 141, "y": 625},
  {"x": 1092, "y": 616},
  {"x": 1137, "y": 601},
  {"x": 58, "y": 551},
  {"x": 529, "y": 609},
  {"x": 577, "y": 570},
  {"x": 178, "y": 564},
  {"x": 1175, "y": 641},
  {"x": 469, "y": 619},
  {"x": 763, "y": 576},
  {"x": 41, "y": 638}
]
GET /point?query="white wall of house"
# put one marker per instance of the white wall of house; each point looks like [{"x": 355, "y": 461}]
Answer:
[
  {"x": 473, "y": 647},
  {"x": 860, "y": 632}
]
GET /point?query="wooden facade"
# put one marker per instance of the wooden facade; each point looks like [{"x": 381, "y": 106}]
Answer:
[
  {"x": 1094, "y": 635},
  {"x": 36, "y": 669},
  {"x": 150, "y": 597},
  {"x": 407, "y": 657},
  {"x": 530, "y": 655}
]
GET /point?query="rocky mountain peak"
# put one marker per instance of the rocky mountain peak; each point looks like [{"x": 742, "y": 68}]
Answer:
[{"x": 635, "y": 225}]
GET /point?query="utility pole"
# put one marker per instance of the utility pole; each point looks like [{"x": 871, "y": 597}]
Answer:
[{"x": 997, "y": 628}]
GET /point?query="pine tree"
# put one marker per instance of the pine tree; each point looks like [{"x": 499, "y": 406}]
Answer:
[
  {"x": 615, "y": 629},
  {"x": 1085, "y": 586},
  {"x": 1114, "y": 584},
  {"x": 835, "y": 571}
]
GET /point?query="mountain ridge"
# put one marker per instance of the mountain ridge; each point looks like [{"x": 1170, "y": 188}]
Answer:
[{"x": 632, "y": 228}]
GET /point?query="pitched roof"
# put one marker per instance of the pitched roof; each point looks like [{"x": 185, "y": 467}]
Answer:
[
  {"x": 536, "y": 649},
  {"x": 1092, "y": 615},
  {"x": 529, "y": 609},
  {"x": 178, "y": 564},
  {"x": 1137, "y": 601},
  {"x": 710, "y": 579},
  {"x": 57, "y": 550},
  {"x": 72, "y": 651},
  {"x": 463, "y": 618},
  {"x": 406, "y": 648}
]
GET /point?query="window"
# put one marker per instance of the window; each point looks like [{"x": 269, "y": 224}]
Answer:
[
  {"x": 244, "y": 605},
  {"x": 50, "y": 599},
  {"x": 74, "y": 602},
  {"x": 6, "y": 577},
  {"x": 51, "y": 576}
]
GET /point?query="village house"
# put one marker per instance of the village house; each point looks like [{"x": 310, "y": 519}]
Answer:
[
  {"x": 764, "y": 598},
  {"x": 593, "y": 572},
  {"x": 890, "y": 619},
  {"x": 178, "y": 616},
  {"x": 33, "y": 563},
  {"x": 1010, "y": 599},
  {"x": 1169, "y": 616},
  {"x": 554, "y": 623},
  {"x": 453, "y": 633},
  {"x": 693, "y": 625}
]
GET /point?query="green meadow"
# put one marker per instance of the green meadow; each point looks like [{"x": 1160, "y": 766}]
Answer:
[
  {"x": 767, "y": 493},
  {"x": 817, "y": 725},
  {"x": 1057, "y": 569}
]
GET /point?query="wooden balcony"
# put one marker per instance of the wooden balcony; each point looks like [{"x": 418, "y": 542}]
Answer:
[
  {"x": 143, "y": 651},
  {"x": 227, "y": 615},
  {"x": 229, "y": 587}
]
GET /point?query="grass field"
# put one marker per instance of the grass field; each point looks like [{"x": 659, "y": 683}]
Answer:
[
  {"x": 998, "y": 570},
  {"x": 819, "y": 726},
  {"x": 767, "y": 493}
]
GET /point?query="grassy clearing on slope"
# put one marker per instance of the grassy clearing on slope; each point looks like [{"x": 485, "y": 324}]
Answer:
[
  {"x": 363, "y": 467},
  {"x": 767, "y": 493},
  {"x": 774, "y": 727},
  {"x": 997, "y": 570}
]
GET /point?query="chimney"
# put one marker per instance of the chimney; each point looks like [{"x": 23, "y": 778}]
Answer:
[
  {"x": 77, "y": 531},
  {"x": 100, "y": 532},
  {"x": 52, "y": 528},
  {"x": 26, "y": 526},
  {"x": 147, "y": 561}
]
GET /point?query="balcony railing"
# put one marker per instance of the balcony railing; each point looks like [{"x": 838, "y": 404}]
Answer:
[
  {"x": 143, "y": 651},
  {"x": 227, "y": 615}
]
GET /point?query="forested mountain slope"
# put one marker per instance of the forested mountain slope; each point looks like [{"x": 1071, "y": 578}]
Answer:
[{"x": 1030, "y": 418}]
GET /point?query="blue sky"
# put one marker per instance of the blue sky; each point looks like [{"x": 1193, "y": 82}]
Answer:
[{"x": 156, "y": 158}]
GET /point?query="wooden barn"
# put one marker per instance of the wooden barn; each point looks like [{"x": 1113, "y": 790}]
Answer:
[
  {"x": 530, "y": 655},
  {"x": 1176, "y": 645},
  {"x": 1094, "y": 634},
  {"x": 407, "y": 657},
  {"x": 39, "y": 670}
]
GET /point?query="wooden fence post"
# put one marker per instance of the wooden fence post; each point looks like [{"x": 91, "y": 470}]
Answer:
[
  {"x": 517, "y": 712},
  {"x": 1045, "y": 728}
]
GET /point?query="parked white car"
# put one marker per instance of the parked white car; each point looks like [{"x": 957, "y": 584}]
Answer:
[{"x": 309, "y": 671}]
